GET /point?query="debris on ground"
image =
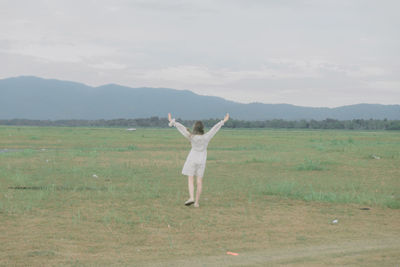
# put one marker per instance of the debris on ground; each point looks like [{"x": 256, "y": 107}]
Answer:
[{"x": 375, "y": 156}]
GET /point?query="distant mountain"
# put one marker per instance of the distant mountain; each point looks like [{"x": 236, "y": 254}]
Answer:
[{"x": 28, "y": 97}]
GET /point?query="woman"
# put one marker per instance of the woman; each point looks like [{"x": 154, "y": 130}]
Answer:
[{"x": 196, "y": 160}]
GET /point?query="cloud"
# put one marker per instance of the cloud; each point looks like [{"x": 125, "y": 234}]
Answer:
[
  {"x": 174, "y": 6},
  {"x": 108, "y": 66},
  {"x": 305, "y": 52},
  {"x": 386, "y": 86},
  {"x": 368, "y": 71},
  {"x": 60, "y": 52},
  {"x": 283, "y": 69},
  {"x": 194, "y": 75}
]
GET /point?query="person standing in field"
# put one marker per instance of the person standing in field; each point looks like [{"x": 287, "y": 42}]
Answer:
[{"x": 196, "y": 160}]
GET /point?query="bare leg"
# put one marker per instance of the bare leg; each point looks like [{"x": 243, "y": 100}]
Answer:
[
  {"x": 199, "y": 189},
  {"x": 191, "y": 187}
]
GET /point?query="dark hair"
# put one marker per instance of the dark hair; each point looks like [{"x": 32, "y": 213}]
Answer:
[{"x": 198, "y": 128}]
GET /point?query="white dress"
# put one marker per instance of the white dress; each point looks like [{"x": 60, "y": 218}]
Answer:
[{"x": 196, "y": 160}]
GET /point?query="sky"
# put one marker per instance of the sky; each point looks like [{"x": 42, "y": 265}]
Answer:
[{"x": 304, "y": 52}]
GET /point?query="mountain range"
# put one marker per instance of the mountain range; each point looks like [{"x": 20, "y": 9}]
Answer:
[{"x": 28, "y": 97}]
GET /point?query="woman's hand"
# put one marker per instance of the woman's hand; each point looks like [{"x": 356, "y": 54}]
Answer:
[
  {"x": 169, "y": 117},
  {"x": 226, "y": 117}
]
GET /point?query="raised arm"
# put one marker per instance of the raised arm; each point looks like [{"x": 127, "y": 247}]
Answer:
[
  {"x": 182, "y": 129},
  {"x": 210, "y": 134}
]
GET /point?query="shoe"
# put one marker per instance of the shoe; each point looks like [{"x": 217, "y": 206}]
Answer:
[
  {"x": 189, "y": 202},
  {"x": 196, "y": 205}
]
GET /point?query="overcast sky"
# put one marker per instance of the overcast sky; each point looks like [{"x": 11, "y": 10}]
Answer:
[{"x": 303, "y": 52}]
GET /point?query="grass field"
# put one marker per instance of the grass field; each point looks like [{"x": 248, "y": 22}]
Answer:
[{"x": 94, "y": 196}]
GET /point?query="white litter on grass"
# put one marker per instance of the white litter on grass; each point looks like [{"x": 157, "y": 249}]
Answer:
[
  {"x": 47, "y": 160},
  {"x": 95, "y": 176},
  {"x": 375, "y": 157},
  {"x": 131, "y": 129},
  {"x": 335, "y": 221}
]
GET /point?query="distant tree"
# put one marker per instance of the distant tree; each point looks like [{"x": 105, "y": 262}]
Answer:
[{"x": 358, "y": 124}]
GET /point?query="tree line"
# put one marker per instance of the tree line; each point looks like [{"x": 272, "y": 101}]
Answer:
[{"x": 356, "y": 124}]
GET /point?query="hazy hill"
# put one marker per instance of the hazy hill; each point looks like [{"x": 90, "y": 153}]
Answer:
[{"x": 35, "y": 98}]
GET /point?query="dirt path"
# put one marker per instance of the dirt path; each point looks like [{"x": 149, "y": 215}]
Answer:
[{"x": 306, "y": 255}]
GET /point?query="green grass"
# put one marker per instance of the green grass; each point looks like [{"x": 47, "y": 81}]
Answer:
[
  {"x": 332, "y": 166},
  {"x": 310, "y": 165},
  {"x": 98, "y": 181}
]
